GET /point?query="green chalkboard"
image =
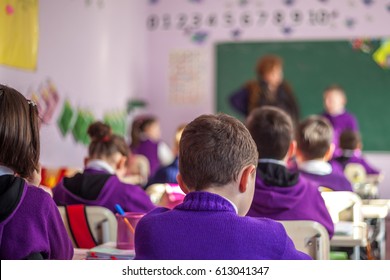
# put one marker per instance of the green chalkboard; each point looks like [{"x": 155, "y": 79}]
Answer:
[{"x": 309, "y": 67}]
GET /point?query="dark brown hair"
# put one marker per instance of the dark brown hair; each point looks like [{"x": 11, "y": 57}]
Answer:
[
  {"x": 349, "y": 140},
  {"x": 139, "y": 126},
  {"x": 267, "y": 63},
  {"x": 272, "y": 130},
  {"x": 314, "y": 137},
  {"x": 213, "y": 150},
  {"x": 104, "y": 143},
  {"x": 19, "y": 132}
]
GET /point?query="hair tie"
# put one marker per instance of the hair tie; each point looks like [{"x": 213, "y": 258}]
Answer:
[{"x": 106, "y": 139}]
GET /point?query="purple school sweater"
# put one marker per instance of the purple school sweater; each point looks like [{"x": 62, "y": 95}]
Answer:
[
  {"x": 340, "y": 123},
  {"x": 149, "y": 149},
  {"x": 332, "y": 181},
  {"x": 355, "y": 158},
  {"x": 301, "y": 201},
  {"x": 204, "y": 227},
  {"x": 34, "y": 226},
  {"x": 101, "y": 189}
]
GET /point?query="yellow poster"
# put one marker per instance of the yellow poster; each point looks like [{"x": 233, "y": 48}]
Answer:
[{"x": 19, "y": 33}]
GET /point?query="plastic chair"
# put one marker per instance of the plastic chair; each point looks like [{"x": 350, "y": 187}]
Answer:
[
  {"x": 309, "y": 237},
  {"x": 89, "y": 226}
]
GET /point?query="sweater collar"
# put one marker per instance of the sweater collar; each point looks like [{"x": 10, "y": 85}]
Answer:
[
  {"x": 317, "y": 167},
  {"x": 274, "y": 173},
  {"x": 4, "y": 170},
  {"x": 100, "y": 165},
  {"x": 205, "y": 201}
]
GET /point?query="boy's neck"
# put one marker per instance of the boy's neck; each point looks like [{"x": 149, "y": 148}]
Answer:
[{"x": 225, "y": 192}]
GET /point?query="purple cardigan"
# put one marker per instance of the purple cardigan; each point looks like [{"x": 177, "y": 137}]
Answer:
[
  {"x": 204, "y": 227},
  {"x": 149, "y": 149},
  {"x": 340, "y": 123},
  {"x": 34, "y": 226},
  {"x": 334, "y": 181},
  {"x": 301, "y": 201},
  {"x": 78, "y": 189}
]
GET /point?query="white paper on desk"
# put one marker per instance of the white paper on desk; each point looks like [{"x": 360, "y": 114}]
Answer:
[{"x": 343, "y": 228}]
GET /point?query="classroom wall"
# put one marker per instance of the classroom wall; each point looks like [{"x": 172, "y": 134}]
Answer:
[{"x": 95, "y": 54}]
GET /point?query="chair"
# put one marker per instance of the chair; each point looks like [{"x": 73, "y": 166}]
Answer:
[
  {"x": 309, "y": 237},
  {"x": 345, "y": 209},
  {"x": 363, "y": 184},
  {"x": 89, "y": 226}
]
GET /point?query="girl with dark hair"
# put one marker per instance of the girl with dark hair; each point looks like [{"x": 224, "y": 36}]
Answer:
[
  {"x": 30, "y": 223},
  {"x": 99, "y": 184}
]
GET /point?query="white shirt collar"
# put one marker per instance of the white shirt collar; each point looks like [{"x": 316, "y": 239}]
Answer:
[
  {"x": 100, "y": 165},
  {"x": 234, "y": 206},
  {"x": 317, "y": 167},
  {"x": 4, "y": 170},
  {"x": 271, "y": 160}
]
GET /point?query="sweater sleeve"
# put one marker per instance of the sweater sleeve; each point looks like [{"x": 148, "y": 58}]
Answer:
[
  {"x": 59, "y": 243},
  {"x": 239, "y": 101}
]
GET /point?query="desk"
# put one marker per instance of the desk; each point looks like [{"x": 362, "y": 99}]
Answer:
[{"x": 356, "y": 238}]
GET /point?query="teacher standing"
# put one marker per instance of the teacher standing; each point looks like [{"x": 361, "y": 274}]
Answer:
[{"x": 268, "y": 90}]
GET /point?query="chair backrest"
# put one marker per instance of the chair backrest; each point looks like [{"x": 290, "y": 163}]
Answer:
[
  {"x": 355, "y": 173},
  {"x": 88, "y": 226},
  {"x": 309, "y": 237},
  {"x": 341, "y": 203}
]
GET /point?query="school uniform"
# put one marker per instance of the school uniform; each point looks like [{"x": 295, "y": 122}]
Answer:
[
  {"x": 166, "y": 174},
  {"x": 206, "y": 226},
  {"x": 284, "y": 195},
  {"x": 351, "y": 156},
  {"x": 157, "y": 153},
  {"x": 340, "y": 123},
  {"x": 322, "y": 173},
  {"x": 30, "y": 223},
  {"x": 99, "y": 186}
]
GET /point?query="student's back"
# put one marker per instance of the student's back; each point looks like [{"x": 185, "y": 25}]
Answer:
[
  {"x": 281, "y": 194},
  {"x": 30, "y": 223},
  {"x": 314, "y": 149},
  {"x": 99, "y": 184},
  {"x": 206, "y": 226},
  {"x": 217, "y": 167}
]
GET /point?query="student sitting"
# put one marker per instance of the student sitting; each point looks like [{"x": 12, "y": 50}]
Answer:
[
  {"x": 168, "y": 174},
  {"x": 314, "y": 149},
  {"x": 145, "y": 140},
  {"x": 335, "y": 112},
  {"x": 279, "y": 193},
  {"x": 351, "y": 146},
  {"x": 99, "y": 184},
  {"x": 218, "y": 160},
  {"x": 30, "y": 223}
]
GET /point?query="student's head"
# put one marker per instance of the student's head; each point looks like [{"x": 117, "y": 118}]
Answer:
[
  {"x": 334, "y": 100},
  {"x": 147, "y": 127},
  {"x": 270, "y": 69},
  {"x": 314, "y": 139},
  {"x": 217, "y": 154},
  {"x": 273, "y": 132},
  {"x": 350, "y": 140},
  {"x": 19, "y": 133},
  {"x": 107, "y": 146},
  {"x": 178, "y": 133}
]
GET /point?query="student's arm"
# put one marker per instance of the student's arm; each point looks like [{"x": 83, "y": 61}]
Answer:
[{"x": 59, "y": 243}]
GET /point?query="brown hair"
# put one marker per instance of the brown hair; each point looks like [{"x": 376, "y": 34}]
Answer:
[
  {"x": 349, "y": 140},
  {"x": 272, "y": 130},
  {"x": 19, "y": 132},
  {"x": 139, "y": 126},
  {"x": 334, "y": 87},
  {"x": 213, "y": 150},
  {"x": 267, "y": 63},
  {"x": 178, "y": 133},
  {"x": 104, "y": 143},
  {"x": 314, "y": 137}
]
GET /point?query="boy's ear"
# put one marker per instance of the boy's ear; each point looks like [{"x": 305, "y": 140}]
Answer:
[
  {"x": 86, "y": 160},
  {"x": 292, "y": 149},
  {"x": 182, "y": 185},
  {"x": 121, "y": 163},
  {"x": 329, "y": 153},
  {"x": 247, "y": 173}
]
